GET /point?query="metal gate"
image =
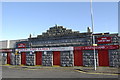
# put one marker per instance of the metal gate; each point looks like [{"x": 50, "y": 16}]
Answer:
[
  {"x": 103, "y": 57},
  {"x": 38, "y": 58},
  {"x": 23, "y": 58},
  {"x": 78, "y": 58},
  {"x": 8, "y": 58},
  {"x": 56, "y": 57}
]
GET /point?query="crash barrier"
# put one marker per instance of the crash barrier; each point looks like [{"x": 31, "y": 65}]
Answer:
[{"x": 64, "y": 56}]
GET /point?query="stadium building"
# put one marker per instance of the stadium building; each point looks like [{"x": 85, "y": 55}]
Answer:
[{"x": 64, "y": 47}]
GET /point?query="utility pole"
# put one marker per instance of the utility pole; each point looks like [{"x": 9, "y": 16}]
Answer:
[{"x": 93, "y": 37}]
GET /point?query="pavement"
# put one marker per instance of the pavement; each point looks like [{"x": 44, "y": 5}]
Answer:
[{"x": 81, "y": 69}]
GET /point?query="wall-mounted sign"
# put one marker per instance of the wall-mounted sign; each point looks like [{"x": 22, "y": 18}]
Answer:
[
  {"x": 6, "y": 50},
  {"x": 21, "y": 45},
  {"x": 97, "y": 47},
  {"x": 61, "y": 48},
  {"x": 32, "y": 49},
  {"x": 103, "y": 40},
  {"x": 46, "y": 49}
]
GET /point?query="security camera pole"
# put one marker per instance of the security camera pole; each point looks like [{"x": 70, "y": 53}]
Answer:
[{"x": 92, "y": 21}]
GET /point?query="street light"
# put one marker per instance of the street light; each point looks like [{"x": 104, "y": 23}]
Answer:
[{"x": 93, "y": 38}]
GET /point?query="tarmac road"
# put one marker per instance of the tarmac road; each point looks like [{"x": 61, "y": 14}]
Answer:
[{"x": 8, "y": 72}]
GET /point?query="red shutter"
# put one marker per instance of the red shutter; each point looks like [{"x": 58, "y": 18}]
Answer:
[
  {"x": 8, "y": 58},
  {"x": 103, "y": 57},
  {"x": 78, "y": 58},
  {"x": 23, "y": 58},
  {"x": 56, "y": 58},
  {"x": 38, "y": 58}
]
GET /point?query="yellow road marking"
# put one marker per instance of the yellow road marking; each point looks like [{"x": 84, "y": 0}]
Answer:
[
  {"x": 55, "y": 66},
  {"x": 95, "y": 73},
  {"x": 30, "y": 69}
]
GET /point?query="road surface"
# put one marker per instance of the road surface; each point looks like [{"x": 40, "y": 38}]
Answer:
[{"x": 8, "y": 72}]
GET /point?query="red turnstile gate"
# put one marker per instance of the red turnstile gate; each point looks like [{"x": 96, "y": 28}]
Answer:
[
  {"x": 103, "y": 57},
  {"x": 78, "y": 58},
  {"x": 38, "y": 58},
  {"x": 23, "y": 58},
  {"x": 8, "y": 58},
  {"x": 56, "y": 58}
]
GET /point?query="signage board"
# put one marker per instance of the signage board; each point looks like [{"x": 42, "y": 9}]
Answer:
[
  {"x": 97, "y": 47},
  {"x": 32, "y": 49},
  {"x": 61, "y": 48},
  {"x": 103, "y": 40},
  {"x": 6, "y": 50},
  {"x": 21, "y": 45},
  {"x": 46, "y": 49}
]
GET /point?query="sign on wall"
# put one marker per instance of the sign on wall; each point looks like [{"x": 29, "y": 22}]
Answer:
[
  {"x": 32, "y": 49},
  {"x": 97, "y": 47},
  {"x": 103, "y": 40},
  {"x": 6, "y": 50},
  {"x": 61, "y": 48},
  {"x": 46, "y": 49},
  {"x": 21, "y": 45}
]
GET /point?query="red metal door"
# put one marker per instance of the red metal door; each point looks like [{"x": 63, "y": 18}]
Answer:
[
  {"x": 38, "y": 58},
  {"x": 23, "y": 58},
  {"x": 56, "y": 58},
  {"x": 103, "y": 57},
  {"x": 8, "y": 58},
  {"x": 78, "y": 58}
]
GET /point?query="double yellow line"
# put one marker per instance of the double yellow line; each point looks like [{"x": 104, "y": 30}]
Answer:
[{"x": 96, "y": 73}]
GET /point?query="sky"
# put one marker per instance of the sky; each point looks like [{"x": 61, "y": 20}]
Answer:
[{"x": 20, "y": 19}]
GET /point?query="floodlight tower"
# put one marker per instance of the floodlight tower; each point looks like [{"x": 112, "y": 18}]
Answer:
[{"x": 93, "y": 37}]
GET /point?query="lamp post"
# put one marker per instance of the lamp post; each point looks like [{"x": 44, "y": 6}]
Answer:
[{"x": 93, "y": 37}]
